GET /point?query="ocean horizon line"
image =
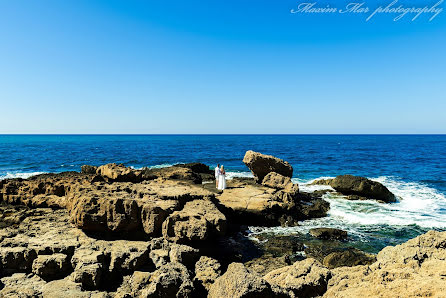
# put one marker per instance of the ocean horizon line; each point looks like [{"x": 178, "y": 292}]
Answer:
[{"x": 223, "y": 134}]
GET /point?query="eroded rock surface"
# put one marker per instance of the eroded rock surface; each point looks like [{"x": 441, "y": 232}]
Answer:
[{"x": 262, "y": 164}]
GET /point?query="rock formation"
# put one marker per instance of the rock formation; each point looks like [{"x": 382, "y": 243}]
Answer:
[
  {"x": 359, "y": 188},
  {"x": 112, "y": 231},
  {"x": 261, "y": 164}
]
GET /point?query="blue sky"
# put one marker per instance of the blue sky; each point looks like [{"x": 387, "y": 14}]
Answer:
[{"x": 217, "y": 67}]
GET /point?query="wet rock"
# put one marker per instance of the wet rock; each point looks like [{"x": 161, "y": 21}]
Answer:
[
  {"x": 350, "y": 257},
  {"x": 328, "y": 233},
  {"x": 237, "y": 281},
  {"x": 50, "y": 267},
  {"x": 261, "y": 164},
  {"x": 359, "y": 188},
  {"x": 306, "y": 278},
  {"x": 314, "y": 209},
  {"x": 207, "y": 270}
]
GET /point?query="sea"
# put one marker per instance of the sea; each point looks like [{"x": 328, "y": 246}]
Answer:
[{"x": 413, "y": 167}]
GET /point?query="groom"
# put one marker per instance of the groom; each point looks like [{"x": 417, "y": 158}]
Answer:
[{"x": 217, "y": 175}]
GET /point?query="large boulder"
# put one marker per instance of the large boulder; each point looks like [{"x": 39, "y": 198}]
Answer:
[
  {"x": 306, "y": 278},
  {"x": 247, "y": 202},
  {"x": 261, "y": 164},
  {"x": 359, "y": 188},
  {"x": 238, "y": 282}
]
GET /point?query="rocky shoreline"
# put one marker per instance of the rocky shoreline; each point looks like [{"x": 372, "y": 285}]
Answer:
[{"x": 113, "y": 231}]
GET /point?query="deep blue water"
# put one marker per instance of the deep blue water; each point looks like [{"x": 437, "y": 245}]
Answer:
[
  {"x": 417, "y": 158},
  {"x": 411, "y": 166}
]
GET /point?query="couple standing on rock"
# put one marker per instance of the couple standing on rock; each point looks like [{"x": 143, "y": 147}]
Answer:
[{"x": 220, "y": 177}]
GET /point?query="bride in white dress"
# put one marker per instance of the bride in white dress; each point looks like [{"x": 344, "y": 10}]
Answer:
[{"x": 222, "y": 179}]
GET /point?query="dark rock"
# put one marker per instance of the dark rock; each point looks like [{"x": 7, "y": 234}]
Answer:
[
  {"x": 196, "y": 167},
  {"x": 87, "y": 169},
  {"x": 50, "y": 267},
  {"x": 359, "y": 188},
  {"x": 328, "y": 234},
  {"x": 350, "y": 257}
]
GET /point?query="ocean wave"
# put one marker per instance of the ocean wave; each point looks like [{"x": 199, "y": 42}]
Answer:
[
  {"x": 419, "y": 208},
  {"x": 231, "y": 175},
  {"x": 19, "y": 175}
]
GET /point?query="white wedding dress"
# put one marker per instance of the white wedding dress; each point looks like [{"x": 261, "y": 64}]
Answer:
[{"x": 222, "y": 181}]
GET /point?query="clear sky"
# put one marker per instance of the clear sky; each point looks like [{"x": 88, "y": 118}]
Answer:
[{"x": 233, "y": 66}]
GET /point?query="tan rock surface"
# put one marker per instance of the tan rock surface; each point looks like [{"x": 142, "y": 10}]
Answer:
[{"x": 262, "y": 164}]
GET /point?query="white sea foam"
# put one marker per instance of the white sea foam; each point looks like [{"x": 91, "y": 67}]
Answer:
[
  {"x": 19, "y": 175},
  {"x": 231, "y": 175},
  {"x": 418, "y": 204}
]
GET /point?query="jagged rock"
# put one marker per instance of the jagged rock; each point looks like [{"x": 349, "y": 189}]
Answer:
[
  {"x": 237, "y": 282},
  {"x": 184, "y": 254},
  {"x": 412, "y": 269},
  {"x": 87, "y": 169},
  {"x": 275, "y": 180},
  {"x": 198, "y": 220},
  {"x": 129, "y": 256},
  {"x": 307, "y": 278},
  {"x": 207, "y": 270},
  {"x": 16, "y": 259},
  {"x": 170, "y": 280},
  {"x": 315, "y": 209},
  {"x": 50, "y": 267},
  {"x": 153, "y": 214},
  {"x": 261, "y": 164},
  {"x": 118, "y": 173},
  {"x": 21, "y": 285},
  {"x": 267, "y": 263},
  {"x": 350, "y": 257},
  {"x": 89, "y": 267},
  {"x": 359, "y": 188},
  {"x": 328, "y": 233}
]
